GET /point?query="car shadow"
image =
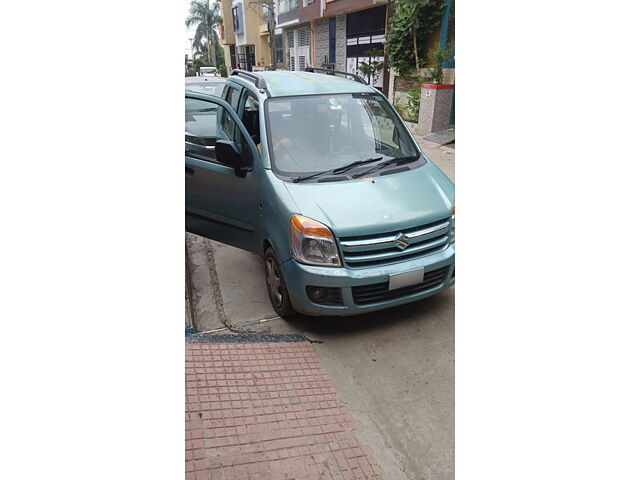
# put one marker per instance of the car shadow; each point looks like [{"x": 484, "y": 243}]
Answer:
[{"x": 429, "y": 309}]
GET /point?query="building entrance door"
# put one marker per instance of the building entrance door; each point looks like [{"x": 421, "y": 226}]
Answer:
[{"x": 365, "y": 40}]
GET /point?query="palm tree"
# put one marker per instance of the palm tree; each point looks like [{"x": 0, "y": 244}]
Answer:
[{"x": 207, "y": 17}]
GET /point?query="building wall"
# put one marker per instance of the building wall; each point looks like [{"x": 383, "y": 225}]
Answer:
[
  {"x": 227, "y": 22},
  {"x": 309, "y": 12},
  {"x": 284, "y": 17},
  {"x": 263, "y": 51},
  {"x": 250, "y": 34},
  {"x": 322, "y": 42},
  {"x": 227, "y": 58},
  {"x": 334, "y": 7}
]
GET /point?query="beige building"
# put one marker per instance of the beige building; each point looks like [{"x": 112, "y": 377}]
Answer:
[{"x": 244, "y": 35}]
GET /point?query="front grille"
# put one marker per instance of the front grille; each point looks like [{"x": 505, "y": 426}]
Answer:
[
  {"x": 380, "y": 249},
  {"x": 379, "y": 292}
]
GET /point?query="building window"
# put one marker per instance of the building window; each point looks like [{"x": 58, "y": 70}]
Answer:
[
  {"x": 308, "y": 2},
  {"x": 286, "y": 6},
  {"x": 236, "y": 13},
  {"x": 332, "y": 40},
  {"x": 279, "y": 50}
]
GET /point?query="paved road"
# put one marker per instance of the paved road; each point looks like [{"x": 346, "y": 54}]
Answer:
[{"x": 394, "y": 369}]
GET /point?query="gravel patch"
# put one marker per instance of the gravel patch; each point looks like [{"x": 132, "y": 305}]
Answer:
[{"x": 243, "y": 338}]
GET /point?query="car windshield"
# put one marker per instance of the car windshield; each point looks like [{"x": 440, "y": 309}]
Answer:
[{"x": 320, "y": 132}]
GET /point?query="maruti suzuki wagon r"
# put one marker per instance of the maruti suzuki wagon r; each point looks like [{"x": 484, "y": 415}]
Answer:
[{"x": 320, "y": 176}]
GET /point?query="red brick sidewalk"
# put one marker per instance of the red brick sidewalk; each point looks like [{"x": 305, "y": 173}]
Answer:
[{"x": 267, "y": 411}]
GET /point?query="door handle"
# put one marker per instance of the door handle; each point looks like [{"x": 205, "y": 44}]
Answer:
[{"x": 188, "y": 171}]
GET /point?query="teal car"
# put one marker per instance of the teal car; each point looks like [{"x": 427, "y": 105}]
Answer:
[{"x": 320, "y": 176}]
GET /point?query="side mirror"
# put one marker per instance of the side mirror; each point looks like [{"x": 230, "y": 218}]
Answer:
[{"x": 228, "y": 154}]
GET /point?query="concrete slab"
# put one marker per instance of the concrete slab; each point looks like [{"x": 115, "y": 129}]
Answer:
[
  {"x": 203, "y": 284},
  {"x": 245, "y": 298},
  {"x": 442, "y": 137},
  {"x": 443, "y": 157}
]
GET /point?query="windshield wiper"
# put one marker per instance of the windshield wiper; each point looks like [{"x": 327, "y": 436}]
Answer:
[
  {"x": 396, "y": 161},
  {"x": 339, "y": 169}
]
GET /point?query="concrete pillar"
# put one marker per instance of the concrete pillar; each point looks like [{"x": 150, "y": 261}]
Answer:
[{"x": 435, "y": 108}]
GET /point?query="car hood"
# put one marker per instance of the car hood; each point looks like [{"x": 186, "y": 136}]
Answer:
[{"x": 384, "y": 204}]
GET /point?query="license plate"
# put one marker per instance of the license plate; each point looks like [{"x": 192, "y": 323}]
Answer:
[{"x": 406, "y": 279}]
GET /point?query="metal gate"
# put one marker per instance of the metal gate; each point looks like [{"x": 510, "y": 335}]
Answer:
[
  {"x": 365, "y": 33},
  {"x": 246, "y": 57},
  {"x": 298, "y": 42}
]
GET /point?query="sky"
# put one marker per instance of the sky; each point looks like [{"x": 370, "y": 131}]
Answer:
[{"x": 188, "y": 35}]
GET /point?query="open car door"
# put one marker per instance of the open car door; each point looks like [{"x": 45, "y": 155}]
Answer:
[{"x": 221, "y": 184}]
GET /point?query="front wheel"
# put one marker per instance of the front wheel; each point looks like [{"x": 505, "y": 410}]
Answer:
[{"x": 278, "y": 293}]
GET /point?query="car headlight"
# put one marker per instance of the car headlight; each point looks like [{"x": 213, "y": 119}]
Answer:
[
  {"x": 453, "y": 224},
  {"x": 313, "y": 243}
]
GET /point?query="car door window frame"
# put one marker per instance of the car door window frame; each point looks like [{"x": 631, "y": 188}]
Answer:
[
  {"x": 246, "y": 93},
  {"x": 228, "y": 96},
  {"x": 241, "y": 131}
]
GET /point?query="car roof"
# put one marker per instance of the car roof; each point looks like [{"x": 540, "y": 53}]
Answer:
[{"x": 286, "y": 83}]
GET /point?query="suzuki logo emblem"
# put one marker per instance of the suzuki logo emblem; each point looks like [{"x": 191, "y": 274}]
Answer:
[{"x": 402, "y": 241}]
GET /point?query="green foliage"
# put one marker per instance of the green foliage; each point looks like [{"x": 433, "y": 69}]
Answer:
[
  {"x": 206, "y": 17},
  {"x": 222, "y": 68},
  {"x": 413, "y": 105},
  {"x": 373, "y": 67},
  {"x": 400, "y": 108},
  {"x": 437, "y": 56},
  {"x": 412, "y": 22}
]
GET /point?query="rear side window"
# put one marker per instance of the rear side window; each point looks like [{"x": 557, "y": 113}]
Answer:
[{"x": 232, "y": 97}]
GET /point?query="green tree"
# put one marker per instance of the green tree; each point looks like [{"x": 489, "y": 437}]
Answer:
[
  {"x": 438, "y": 56},
  {"x": 206, "y": 17},
  {"x": 412, "y": 22},
  {"x": 373, "y": 68}
]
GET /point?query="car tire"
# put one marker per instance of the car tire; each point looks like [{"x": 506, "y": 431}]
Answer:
[{"x": 276, "y": 285}]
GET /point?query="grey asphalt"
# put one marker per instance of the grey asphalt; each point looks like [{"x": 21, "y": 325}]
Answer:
[{"x": 394, "y": 369}]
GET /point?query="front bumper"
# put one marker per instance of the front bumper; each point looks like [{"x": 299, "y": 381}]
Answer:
[{"x": 299, "y": 276}]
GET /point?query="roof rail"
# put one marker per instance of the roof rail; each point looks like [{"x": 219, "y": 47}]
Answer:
[
  {"x": 330, "y": 71},
  {"x": 257, "y": 80}
]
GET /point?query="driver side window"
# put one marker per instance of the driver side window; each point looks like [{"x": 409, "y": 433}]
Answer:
[
  {"x": 206, "y": 122},
  {"x": 200, "y": 128}
]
